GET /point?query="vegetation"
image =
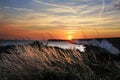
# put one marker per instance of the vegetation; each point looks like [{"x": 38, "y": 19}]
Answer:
[{"x": 38, "y": 62}]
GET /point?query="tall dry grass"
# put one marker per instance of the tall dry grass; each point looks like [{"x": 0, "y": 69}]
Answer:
[{"x": 41, "y": 62}]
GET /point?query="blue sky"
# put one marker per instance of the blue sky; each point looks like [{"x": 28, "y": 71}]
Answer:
[{"x": 67, "y": 16}]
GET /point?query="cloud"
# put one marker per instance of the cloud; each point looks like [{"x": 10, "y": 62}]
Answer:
[
  {"x": 18, "y": 9},
  {"x": 113, "y": 6},
  {"x": 68, "y": 4},
  {"x": 90, "y": 10},
  {"x": 46, "y": 21},
  {"x": 49, "y": 4},
  {"x": 117, "y": 5},
  {"x": 85, "y": 17},
  {"x": 66, "y": 10},
  {"x": 61, "y": 10}
]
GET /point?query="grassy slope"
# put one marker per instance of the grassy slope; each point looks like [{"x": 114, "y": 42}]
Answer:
[{"x": 39, "y": 62}]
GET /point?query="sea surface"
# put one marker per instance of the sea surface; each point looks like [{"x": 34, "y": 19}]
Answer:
[{"x": 64, "y": 45}]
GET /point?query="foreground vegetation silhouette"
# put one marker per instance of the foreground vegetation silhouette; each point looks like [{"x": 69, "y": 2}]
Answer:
[{"x": 36, "y": 61}]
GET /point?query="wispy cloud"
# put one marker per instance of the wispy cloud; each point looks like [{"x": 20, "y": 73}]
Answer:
[
  {"x": 61, "y": 10},
  {"x": 55, "y": 5},
  {"x": 19, "y": 9},
  {"x": 45, "y": 16},
  {"x": 117, "y": 5},
  {"x": 66, "y": 10}
]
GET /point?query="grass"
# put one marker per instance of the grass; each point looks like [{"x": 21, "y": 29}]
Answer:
[{"x": 39, "y": 62}]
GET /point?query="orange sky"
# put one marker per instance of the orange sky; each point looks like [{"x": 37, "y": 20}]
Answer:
[
  {"x": 8, "y": 31},
  {"x": 45, "y": 19}
]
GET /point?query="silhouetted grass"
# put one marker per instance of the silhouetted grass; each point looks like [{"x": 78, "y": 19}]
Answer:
[{"x": 38, "y": 62}]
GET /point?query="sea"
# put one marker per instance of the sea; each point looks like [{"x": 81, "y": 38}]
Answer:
[{"x": 61, "y": 44}]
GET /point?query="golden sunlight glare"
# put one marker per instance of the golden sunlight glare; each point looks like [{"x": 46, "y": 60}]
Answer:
[{"x": 69, "y": 37}]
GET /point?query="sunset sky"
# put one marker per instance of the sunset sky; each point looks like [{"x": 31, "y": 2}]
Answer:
[{"x": 63, "y": 19}]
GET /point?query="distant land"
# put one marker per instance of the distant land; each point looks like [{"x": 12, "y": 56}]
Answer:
[
  {"x": 84, "y": 39},
  {"x": 58, "y": 40},
  {"x": 115, "y": 40}
]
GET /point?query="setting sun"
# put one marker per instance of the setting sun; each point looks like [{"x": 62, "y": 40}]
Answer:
[{"x": 69, "y": 37}]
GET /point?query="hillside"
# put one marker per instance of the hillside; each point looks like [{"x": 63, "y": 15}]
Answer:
[{"x": 36, "y": 61}]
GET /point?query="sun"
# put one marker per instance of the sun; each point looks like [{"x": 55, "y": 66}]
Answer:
[{"x": 70, "y": 37}]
